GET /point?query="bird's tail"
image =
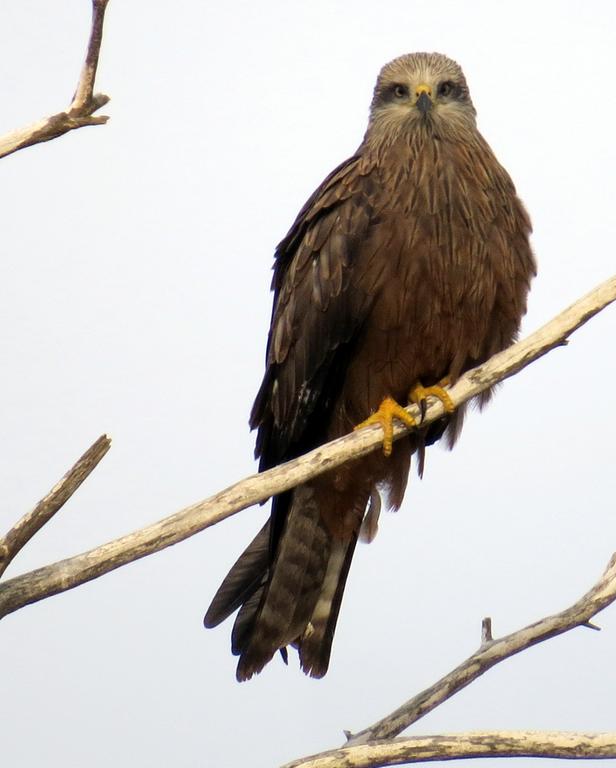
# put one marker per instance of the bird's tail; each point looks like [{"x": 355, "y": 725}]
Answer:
[{"x": 290, "y": 599}]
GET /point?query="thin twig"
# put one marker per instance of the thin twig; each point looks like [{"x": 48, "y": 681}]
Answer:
[
  {"x": 66, "y": 574},
  {"x": 85, "y": 87},
  {"x": 84, "y": 103},
  {"x": 21, "y": 533},
  {"x": 492, "y": 652},
  {"x": 556, "y": 744}
]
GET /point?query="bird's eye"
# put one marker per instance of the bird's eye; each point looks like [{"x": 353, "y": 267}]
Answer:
[
  {"x": 400, "y": 91},
  {"x": 447, "y": 89}
]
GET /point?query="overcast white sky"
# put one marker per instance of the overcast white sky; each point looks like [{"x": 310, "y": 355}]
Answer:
[{"x": 134, "y": 300}]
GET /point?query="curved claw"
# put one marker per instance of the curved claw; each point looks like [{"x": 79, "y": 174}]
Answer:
[
  {"x": 419, "y": 395},
  {"x": 387, "y": 412}
]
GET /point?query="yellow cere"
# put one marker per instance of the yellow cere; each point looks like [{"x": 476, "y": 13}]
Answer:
[{"x": 423, "y": 88}]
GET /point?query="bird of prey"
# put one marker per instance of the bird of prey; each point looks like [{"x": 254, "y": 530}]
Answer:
[{"x": 409, "y": 265}]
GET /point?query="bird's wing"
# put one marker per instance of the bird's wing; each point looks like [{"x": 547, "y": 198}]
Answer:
[
  {"x": 316, "y": 319},
  {"x": 317, "y": 314}
]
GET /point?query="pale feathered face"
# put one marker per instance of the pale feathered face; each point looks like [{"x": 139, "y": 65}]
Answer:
[{"x": 421, "y": 88}]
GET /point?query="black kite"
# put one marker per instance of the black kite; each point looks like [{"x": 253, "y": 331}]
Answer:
[{"x": 409, "y": 265}]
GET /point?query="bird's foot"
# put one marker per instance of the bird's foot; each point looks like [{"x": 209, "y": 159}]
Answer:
[
  {"x": 419, "y": 395},
  {"x": 388, "y": 411}
]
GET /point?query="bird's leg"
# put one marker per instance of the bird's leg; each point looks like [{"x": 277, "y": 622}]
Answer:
[
  {"x": 387, "y": 412},
  {"x": 419, "y": 395}
]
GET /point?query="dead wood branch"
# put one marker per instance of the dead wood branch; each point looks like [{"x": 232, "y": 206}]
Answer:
[
  {"x": 419, "y": 749},
  {"x": 21, "y": 533},
  {"x": 66, "y": 574},
  {"x": 85, "y": 102},
  {"x": 491, "y": 652}
]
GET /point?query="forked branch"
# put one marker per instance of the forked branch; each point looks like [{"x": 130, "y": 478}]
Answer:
[
  {"x": 491, "y": 652},
  {"x": 376, "y": 746},
  {"x": 24, "y": 529},
  {"x": 85, "y": 102}
]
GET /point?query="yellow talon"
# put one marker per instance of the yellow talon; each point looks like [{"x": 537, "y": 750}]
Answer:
[
  {"x": 388, "y": 411},
  {"x": 419, "y": 395}
]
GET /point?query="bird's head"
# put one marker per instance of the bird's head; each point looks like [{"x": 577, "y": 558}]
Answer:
[{"x": 421, "y": 89}]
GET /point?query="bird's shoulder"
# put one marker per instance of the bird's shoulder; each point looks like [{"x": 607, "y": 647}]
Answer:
[{"x": 345, "y": 198}]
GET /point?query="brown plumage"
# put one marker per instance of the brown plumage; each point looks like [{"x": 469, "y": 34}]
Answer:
[{"x": 410, "y": 263}]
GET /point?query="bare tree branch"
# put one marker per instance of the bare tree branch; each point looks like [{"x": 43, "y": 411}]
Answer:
[
  {"x": 21, "y": 533},
  {"x": 81, "y": 111},
  {"x": 85, "y": 87},
  {"x": 491, "y": 652},
  {"x": 419, "y": 749},
  {"x": 66, "y": 574}
]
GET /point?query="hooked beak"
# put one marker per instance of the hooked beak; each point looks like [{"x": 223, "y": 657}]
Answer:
[{"x": 424, "y": 99}]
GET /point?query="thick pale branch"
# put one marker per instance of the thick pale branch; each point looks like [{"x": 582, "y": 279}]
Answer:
[
  {"x": 84, "y": 103},
  {"x": 21, "y": 533},
  {"x": 491, "y": 652},
  {"x": 66, "y": 574},
  {"x": 419, "y": 749}
]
